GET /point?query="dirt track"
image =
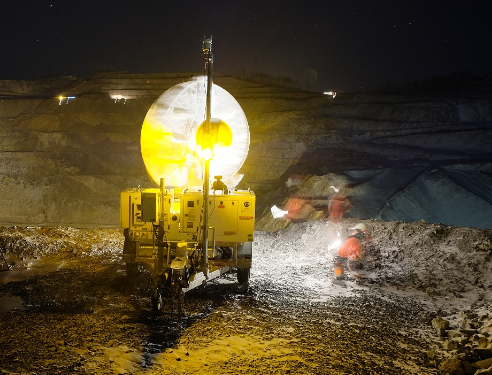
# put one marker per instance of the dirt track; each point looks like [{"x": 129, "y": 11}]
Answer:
[
  {"x": 91, "y": 318},
  {"x": 88, "y": 317}
]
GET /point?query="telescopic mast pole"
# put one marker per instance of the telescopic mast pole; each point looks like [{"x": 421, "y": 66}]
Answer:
[{"x": 207, "y": 51}]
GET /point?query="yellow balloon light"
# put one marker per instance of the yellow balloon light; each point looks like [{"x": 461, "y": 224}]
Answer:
[
  {"x": 172, "y": 135},
  {"x": 220, "y": 133}
]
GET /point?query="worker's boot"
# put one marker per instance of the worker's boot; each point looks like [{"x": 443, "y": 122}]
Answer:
[{"x": 338, "y": 270}]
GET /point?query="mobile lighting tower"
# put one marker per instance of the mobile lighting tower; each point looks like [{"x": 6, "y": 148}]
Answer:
[{"x": 186, "y": 232}]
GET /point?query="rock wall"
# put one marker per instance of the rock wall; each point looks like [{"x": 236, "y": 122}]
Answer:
[
  {"x": 396, "y": 158},
  {"x": 64, "y": 162}
]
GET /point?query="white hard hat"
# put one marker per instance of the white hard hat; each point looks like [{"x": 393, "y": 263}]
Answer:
[{"x": 360, "y": 226}]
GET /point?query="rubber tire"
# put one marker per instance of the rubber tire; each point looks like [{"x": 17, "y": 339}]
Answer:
[
  {"x": 243, "y": 275},
  {"x": 157, "y": 303},
  {"x": 132, "y": 269}
]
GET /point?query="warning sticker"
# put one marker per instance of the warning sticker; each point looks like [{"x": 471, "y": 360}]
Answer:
[{"x": 246, "y": 217}]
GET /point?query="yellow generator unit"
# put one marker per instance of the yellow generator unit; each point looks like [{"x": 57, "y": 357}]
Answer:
[{"x": 163, "y": 231}]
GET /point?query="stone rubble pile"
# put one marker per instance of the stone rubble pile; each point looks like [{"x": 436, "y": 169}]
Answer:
[
  {"x": 19, "y": 244},
  {"x": 466, "y": 343}
]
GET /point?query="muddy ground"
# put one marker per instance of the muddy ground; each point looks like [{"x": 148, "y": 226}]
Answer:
[{"x": 68, "y": 307}]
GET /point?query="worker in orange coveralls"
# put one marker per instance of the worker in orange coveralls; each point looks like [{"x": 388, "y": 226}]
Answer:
[
  {"x": 352, "y": 252},
  {"x": 338, "y": 204},
  {"x": 298, "y": 208}
]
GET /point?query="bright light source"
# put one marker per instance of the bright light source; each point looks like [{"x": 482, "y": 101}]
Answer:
[
  {"x": 277, "y": 212},
  {"x": 61, "y": 98},
  {"x": 118, "y": 97},
  {"x": 169, "y": 141},
  {"x": 205, "y": 154},
  {"x": 335, "y": 244},
  {"x": 331, "y": 93},
  {"x": 220, "y": 133}
]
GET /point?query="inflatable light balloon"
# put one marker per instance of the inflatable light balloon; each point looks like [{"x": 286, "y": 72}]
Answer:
[{"x": 172, "y": 135}]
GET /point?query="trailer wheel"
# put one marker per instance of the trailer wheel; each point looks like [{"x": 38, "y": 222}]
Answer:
[
  {"x": 132, "y": 269},
  {"x": 157, "y": 303},
  {"x": 243, "y": 275}
]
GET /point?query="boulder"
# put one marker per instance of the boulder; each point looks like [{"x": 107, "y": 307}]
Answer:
[{"x": 452, "y": 366}]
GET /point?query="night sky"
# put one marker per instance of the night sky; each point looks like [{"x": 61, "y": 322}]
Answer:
[{"x": 343, "y": 45}]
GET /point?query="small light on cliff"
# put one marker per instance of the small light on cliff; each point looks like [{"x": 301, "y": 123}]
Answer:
[
  {"x": 62, "y": 98},
  {"x": 118, "y": 98}
]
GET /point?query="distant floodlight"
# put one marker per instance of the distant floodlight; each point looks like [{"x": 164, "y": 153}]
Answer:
[
  {"x": 331, "y": 93},
  {"x": 118, "y": 97},
  {"x": 61, "y": 98}
]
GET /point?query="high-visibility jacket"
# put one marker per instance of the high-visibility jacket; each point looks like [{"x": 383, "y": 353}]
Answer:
[
  {"x": 352, "y": 249},
  {"x": 298, "y": 209},
  {"x": 337, "y": 206}
]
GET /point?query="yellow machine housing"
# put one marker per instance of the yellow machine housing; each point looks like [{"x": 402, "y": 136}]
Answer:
[
  {"x": 231, "y": 223},
  {"x": 231, "y": 216}
]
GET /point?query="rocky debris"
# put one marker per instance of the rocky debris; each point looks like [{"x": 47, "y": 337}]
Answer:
[
  {"x": 440, "y": 325},
  {"x": 22, "y": 247},
  {"x": 443, "y": 262},
  {"x": 83, "y": 314},
  {"x": 466, "y": 340}
]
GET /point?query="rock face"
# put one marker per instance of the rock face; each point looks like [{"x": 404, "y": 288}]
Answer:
[
  {"x": 397, "y": 158},
  {"x": 64, "y": 162}
]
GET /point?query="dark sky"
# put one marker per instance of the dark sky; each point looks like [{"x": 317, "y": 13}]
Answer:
[{"x": 342, "y": 45}]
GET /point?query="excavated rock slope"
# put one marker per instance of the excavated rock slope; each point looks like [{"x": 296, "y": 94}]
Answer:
[{"x": 64, "y": 162}]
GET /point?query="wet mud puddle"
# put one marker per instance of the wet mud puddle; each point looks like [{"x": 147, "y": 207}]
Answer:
[{"x": 23, "y": 271}]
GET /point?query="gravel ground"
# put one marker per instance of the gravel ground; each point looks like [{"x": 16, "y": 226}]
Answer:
[{"x": 67, "y": 307}]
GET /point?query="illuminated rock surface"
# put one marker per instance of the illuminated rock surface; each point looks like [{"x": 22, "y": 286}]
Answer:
[
  {"x": 67, "y": 306},
  {"x": 64, "y": 162}
]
